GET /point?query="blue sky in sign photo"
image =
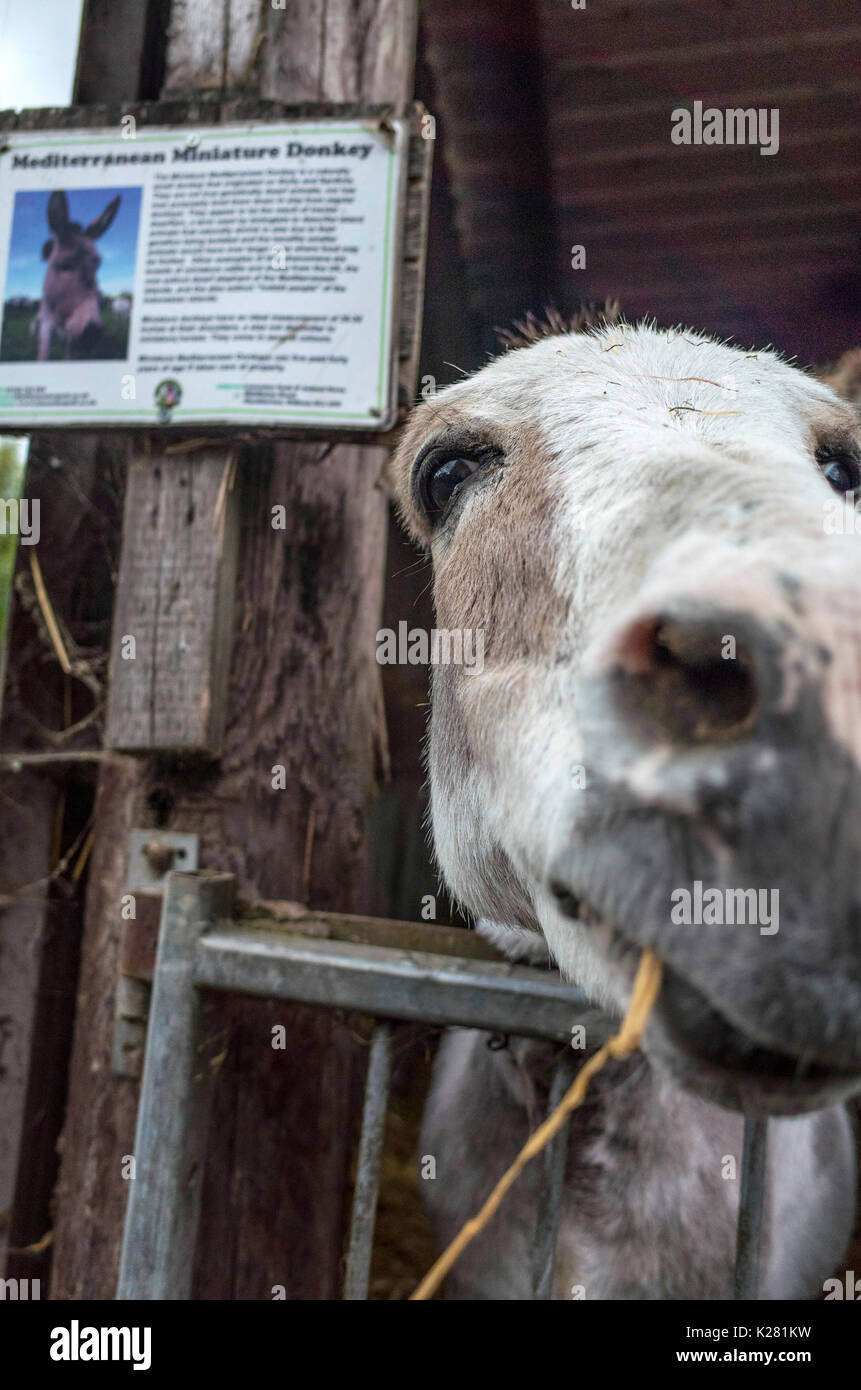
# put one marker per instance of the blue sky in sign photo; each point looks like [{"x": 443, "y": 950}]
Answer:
[{"x": 30, "y": 231}]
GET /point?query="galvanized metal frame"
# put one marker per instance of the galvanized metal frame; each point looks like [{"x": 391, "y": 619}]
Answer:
[
  {"x": 751, "y": 1198},
  {"x": 201, "y": 947},
  {"x": 368, "y": 1170}
]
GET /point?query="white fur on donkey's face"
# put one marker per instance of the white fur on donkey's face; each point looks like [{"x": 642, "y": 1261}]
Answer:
[{"x": 618, "y": 459}]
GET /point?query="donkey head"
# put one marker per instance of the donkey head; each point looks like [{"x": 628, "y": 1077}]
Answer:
[
  {"x": 72, "y": 257},
  {"x": 70, "y": 300},
  {"x": 663, "y": 746}
]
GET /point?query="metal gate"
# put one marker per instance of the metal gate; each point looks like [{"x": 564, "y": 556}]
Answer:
[{"x": 203, "y": 947}]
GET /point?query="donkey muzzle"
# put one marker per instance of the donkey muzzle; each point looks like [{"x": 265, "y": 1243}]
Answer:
[{"x": 721, "y": 825}]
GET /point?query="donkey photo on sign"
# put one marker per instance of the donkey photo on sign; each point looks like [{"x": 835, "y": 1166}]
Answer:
[{"x": 77, "y": 307}]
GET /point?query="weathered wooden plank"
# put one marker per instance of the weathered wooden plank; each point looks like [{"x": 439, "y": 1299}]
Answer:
[
  {"x": 414, "y": 258},
  {"x": 54, "y": 944},
  {"x": 290, "y": 65},
  {"x": 366, "y": 44},
  {"x": 203, "y": 108},
  {"x": 28, "y": 803},
  {"x": 111, "y": 27},
  {"x": 103, "y": 1107},
  {"x": 198, "y": 37},
  {"x": 214, "y": 45},
  {"x": 40, "y": 807},
  {"x": 304, "y": 696},
  {"x": 98, "y": 1134},
  {"x": 174, "y": 610},
  {"x": 340, "y": 50},
  {"x": 246, "y": 32}
]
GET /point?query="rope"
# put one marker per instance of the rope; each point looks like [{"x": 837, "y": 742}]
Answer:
[{"x": 627, "y": 1040}]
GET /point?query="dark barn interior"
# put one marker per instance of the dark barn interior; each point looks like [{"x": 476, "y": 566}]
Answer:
[{"x": 553, "y": 129}]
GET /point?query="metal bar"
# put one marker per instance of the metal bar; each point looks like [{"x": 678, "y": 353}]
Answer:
[
  {"x": 368, "y": 931},
  {"x": 199, "y": 947},
  {"x": 389, "y": 983},
  {"x": 750, "y": 1209},
  {"x": 368, "y": 1170},
  {"x": 173, "y": 1112},
  {"x": 553, "y": 1162}
]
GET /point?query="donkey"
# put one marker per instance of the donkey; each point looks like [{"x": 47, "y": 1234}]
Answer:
[
  {"x": 71, "y": 303},
  {"x": 641, "y": 523}
]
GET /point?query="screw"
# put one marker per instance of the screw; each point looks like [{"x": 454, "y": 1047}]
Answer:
[{"x": 159, "y": 856}]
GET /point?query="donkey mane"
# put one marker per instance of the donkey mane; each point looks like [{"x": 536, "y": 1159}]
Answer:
[{"x": 553, "y": 324}]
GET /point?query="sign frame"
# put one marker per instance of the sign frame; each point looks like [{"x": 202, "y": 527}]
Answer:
[{"x": 406, "y": 291}]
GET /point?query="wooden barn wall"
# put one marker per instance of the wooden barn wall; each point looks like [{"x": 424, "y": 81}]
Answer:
[{"x": 764, "y": 248}]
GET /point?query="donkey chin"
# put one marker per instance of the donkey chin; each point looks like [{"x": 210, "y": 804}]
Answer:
[{"x": 722, "y": 828}]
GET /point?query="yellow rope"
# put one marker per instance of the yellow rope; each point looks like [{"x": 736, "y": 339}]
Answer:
[{"x": 627, "y": 1040}]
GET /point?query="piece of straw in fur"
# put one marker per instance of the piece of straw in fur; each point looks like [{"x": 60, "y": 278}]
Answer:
[{"x": 627, "y": 1040}]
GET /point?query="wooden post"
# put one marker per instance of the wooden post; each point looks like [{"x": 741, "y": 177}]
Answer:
[
  {"x": 303, "y": 695},
  {"x": 175, "y": 605},
  {"x": 43, "y": 810},
  {"x": 27, "y": 846}
]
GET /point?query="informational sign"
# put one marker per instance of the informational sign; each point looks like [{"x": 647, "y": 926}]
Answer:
[{"x": 231, "y": 275}]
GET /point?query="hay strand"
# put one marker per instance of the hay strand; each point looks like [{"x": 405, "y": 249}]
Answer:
[{"x": 627, "y": 1040}]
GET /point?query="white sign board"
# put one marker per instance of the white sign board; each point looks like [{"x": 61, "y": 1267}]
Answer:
[{"x": 234, "y": 275}]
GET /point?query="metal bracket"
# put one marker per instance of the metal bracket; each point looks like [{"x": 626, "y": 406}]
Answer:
[{"x": 152, "y": 855}]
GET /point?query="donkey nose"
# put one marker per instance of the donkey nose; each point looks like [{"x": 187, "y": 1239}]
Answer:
[{"x": 690, "y": 677}]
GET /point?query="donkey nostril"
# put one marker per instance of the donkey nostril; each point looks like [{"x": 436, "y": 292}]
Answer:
[{"x": 691, "y": 678}]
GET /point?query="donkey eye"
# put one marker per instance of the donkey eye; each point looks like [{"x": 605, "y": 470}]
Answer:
[
  {"x": 441, "y": 479},
  {"x": 842, "y": 472}
]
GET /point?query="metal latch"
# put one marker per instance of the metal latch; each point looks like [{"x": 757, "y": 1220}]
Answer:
[{"x": 152, "y": 855}]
